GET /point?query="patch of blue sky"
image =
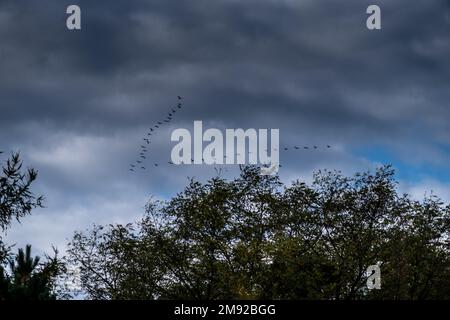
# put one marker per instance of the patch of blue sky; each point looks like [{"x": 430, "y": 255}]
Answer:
[{"x": 405, "y": 170}]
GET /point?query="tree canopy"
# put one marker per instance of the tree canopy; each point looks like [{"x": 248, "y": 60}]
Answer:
[{"x": 255, "y": 238}]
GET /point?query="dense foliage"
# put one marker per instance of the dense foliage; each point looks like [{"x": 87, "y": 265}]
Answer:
[{"x": 254, "y": 237}]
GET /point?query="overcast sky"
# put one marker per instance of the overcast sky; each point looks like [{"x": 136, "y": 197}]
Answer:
[{"x": 76, "y": 104}]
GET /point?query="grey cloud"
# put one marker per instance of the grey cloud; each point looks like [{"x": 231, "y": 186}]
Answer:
[{"x": 77, "y": 103}]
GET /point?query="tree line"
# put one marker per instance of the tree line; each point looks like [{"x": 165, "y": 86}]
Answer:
[{"x": 251, "y": 237}]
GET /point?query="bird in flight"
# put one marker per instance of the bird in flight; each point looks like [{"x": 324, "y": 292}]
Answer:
[{"x": 180, "y": 98}]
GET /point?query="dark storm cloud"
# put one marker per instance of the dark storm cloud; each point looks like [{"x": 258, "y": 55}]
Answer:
[
  {"x": 77, "y": 103},
  {"x": 224, "y": 55}
]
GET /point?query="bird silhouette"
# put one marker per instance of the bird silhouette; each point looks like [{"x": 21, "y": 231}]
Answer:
[{"x": 180, "y": 98}]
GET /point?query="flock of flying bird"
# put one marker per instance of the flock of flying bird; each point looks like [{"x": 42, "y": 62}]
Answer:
[
  {"x": 144, "y": 148},
  {"x": 306, "y": 148}
]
